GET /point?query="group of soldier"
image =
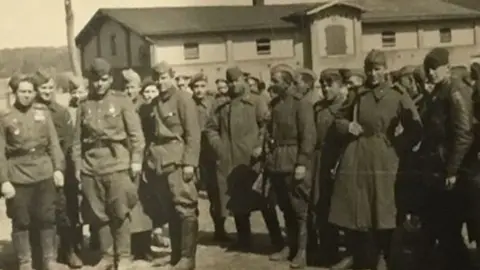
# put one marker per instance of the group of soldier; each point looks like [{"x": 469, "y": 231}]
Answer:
[{"x": 380, "y": 153}]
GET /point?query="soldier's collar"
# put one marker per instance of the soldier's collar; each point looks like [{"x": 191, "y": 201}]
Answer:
[
  {"x": 21, "y": 107},
  {"x": 202, "y": 101},
  {"x": 167, "y": 94},
  {"x": 380, "y": 90}
]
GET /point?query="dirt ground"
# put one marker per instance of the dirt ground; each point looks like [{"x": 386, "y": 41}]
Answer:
[{"x": 209, "y": 256}]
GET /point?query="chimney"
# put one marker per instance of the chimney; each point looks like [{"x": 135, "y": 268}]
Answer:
[{"x": 258, "y": 2}]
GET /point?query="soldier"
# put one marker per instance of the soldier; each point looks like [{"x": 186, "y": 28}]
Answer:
[
  {"x": 141, "y": 223},
  {"x": 305, "y": 80},
  {"x": 258, "y": 88},
  {"x": 108, "y": 151},
  {"x": 363, "y": 199},
  {"x": 183, "y": 82},
  {"x": 133, "y": 86},
  {"x": 328, "y": 141},
  {"x": 173, "y": 156},
  {"x": 68, "y": 223},
  {"x": 292, "y": 133},
  {"x": 207, "y": 163},
  {"x": 222, "y": 91},
  {"x": 448, "y": 136},
  {"x": 406, "y": 81},
  {"x": 35, "y": 164}
]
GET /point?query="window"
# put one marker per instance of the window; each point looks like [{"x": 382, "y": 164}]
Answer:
[
  {"x": 389, "y": 39},
  {"x": 113, "y": 44},
  {"x": 191, "y": 51},
  {"x": 263, "y": 46},
  {"x": 445, "y": 35},
  {"x": 336, "y": 40}
]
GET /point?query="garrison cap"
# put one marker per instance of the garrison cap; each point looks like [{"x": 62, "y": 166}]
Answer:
[
  {"x": 130, "y": 76},
  {"x": 99, "y": 68},
  {"x": 435, "y": 58},
  {"x": 162, "y": 67},
  {"x": 148, "y": 81},
  {"x": 233, "y": 74},
  {"x": 197, "y": 78},
  {"x": 307, "y": 72},
  {"x": 330, "y": 74},
  {"x": 406, "y": 71},
  {"x": 40, "y": 77},
  {"x": 282, "y": 68},
  {"x": 375, "y": 57}
]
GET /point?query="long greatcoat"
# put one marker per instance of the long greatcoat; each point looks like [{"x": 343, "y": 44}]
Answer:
[
  {"x": 234, "y": 131},
  {"x": 364, "y": 189}
]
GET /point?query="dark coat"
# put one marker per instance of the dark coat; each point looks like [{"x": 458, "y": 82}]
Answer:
[
  {"x": 364, "y": 189},
  {"x": 234, "y": 136}
]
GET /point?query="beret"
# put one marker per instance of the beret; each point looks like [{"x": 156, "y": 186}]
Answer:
[
  {"x": 99, "y": 68},
  {"x": 161, "y": 67},
  {"x": 283, "y": 68},
  {"x": 307, "y": 72},
  {"x": 148, "y": 81},
  {"x": 330, "y": 74},
  {"x": 435, "y": 58},
  {"x": 130, "y": 76},
  {"x": 233, "y": 73},
  {"x": 406, "y": 70},
  {"x": 198, "y": 77},
  {"x": 375, "y": 57}
]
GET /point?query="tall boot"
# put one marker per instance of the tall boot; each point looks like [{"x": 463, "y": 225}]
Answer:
[
  {"x": 244, "y": 233},
  {"x": 67, "y": 250},
  {"x": 300, "y": 259},
  {"x": 273, "y": 226},
  {"x": 122, "y": 243},
  {"x": 48, "y": 245},
  {"x": 105, "y": 242},
  {"x": 21, "y": 244},
  {"x": 189, "y": 244},
  {"x": 292, "y": 236},
  {"x": 220, "y": 234},
  {"x": 175, "y": 234}
]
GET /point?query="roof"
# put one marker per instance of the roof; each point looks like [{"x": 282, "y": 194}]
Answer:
[
  {"x": 158, "y": 21},
  {"x": 472, "y": 4}
]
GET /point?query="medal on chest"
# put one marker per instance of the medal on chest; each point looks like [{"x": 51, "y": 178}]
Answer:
[
  {"x": 39, "y": 115},
  {"x": 111, "y": 110},
  {"x": 16, "y": 130}
]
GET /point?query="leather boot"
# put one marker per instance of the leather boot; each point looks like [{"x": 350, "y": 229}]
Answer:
[
  {"x": 175, "y": 234},
  {"x": 273, "y": 226},
  {"x": 244, "y": 233},
  {"x": 105, "y": 242},
  {"x": 67, "y": 250},
  {"x": 122, "y": 240},
  {"x": 189, "y": 244},
  {"x": 300, "y": 259},
  {"x": 48, "y": 245},
  {"x": 286, "y": 253},
  {"x": 21, "y": 244},
  {"x": 94, "y": 242},
  {"x": 220, "y": 235}
]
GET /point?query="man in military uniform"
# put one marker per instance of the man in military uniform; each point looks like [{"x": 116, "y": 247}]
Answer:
[
  {"x": 108, "y": 153},
  {"x": 222, "y": 91},
  {"x": 207, "y": 163},
  {"x": 133, "y": 86},
  {"x": 183, "y": 82},
  {"x": 448, "y": 124},
  {"x": 292, "y": 132},
  {"x": 35, "y": 164},
  {"x": 173, "y": 155},
  {"x": 406, "y": 81},
  {"x": 68, "y": 223}
]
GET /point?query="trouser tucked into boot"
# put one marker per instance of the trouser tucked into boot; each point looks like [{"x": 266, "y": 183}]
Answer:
[
  {"x": 48, "y": 244},
  {"x": 270, "y": 217},
  {"x": 70, "y": 246},
  {"x": 244, "y": 232},
  {"x": 189, "y": 229},
  {"x": 21, "y": 244}
]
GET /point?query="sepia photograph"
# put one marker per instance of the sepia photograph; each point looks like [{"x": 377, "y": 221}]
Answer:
[{"x": 239, "y": 134}]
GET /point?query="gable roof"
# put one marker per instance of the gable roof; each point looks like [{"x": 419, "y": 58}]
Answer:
[
  {"x": 158, "y": 21},
  {"x": 471, "y": 4}
]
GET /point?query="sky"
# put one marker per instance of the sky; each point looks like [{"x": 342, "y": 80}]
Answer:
[{"x": 27, "y": 23}]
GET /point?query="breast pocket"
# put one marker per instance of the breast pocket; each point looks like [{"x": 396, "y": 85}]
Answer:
[
  {"x": 15, "y": 133},
  {"x": 113, "y": 120}
]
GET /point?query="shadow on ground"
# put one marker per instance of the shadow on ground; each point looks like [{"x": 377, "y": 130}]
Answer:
[{"x": 260, "y": 242}]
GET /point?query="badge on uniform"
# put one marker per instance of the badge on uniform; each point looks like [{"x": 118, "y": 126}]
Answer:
[
  {"x": 170, "y": 114},
  {"x": 16, "y": 130},
  {"x": 39, "y": 115},
  {"x": 111, "y": 110}
]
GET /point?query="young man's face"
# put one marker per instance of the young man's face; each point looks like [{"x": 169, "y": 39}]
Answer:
[
  {"x": 438, "y": 74},
  {"x": 376, "y": 74},
  {"x": 182, "y": 83},
  {"x": 102, "y": 84},
  {"x": 199, "y": 89},
  {"x": 25, "y": 94},
  {"x": 132, "y": 89},
  {"x": 252, "y": 84},
  {"x": 222, "y": 87},
  {"x": 164, "y": 81},
  {"x": 330, "y": 89},
  {"x": 46, "y": 90},
  {"x": 150, "y": 92}
]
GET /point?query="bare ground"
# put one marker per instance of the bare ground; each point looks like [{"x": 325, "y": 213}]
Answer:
[{"x": 209, "y": 255}]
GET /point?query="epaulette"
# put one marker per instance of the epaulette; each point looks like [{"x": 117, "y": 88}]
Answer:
[{"x": 400, "y": 89}]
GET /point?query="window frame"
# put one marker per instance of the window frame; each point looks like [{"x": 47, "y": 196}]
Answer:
[
  {"x": 263, "y": 46},
  {"x": 445, "y": 32},
  {"x": 389, "y": 39},
  {"x": 113, "y": 45},
  {"x": 187, "y": 54}
]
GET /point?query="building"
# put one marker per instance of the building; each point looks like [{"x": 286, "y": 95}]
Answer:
[{"x": 316, "y": 35}]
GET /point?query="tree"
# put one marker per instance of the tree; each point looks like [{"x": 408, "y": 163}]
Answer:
[{"x": 72, "y": 48}]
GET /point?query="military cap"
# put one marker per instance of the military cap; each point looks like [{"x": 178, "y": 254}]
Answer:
[
  {"x": 233, "y": 74},
  {"x": 306, "y": 72},
  {"x": 130, "y": 76},
  {"x": 198, "y": 77},
  {"x": 148, "y": 81},
  {"x": 283, "y": 68},
  {"x": 99, "y": 68},
  {"x": 330, "y": 74},
  {"x": 41, "y": 76},
  {"x": 375, "y": 57},
  {"x": 406, "y": 71},
  {"x": 435, "y": 58},
  {"x": 162, "y": 67}
]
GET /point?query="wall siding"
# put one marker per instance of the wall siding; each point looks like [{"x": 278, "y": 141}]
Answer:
[
  {"x": 406, "y": 37},
  {"x": 245, "y": 46},
  {"x": 463, "y": 33},
  {"x": 108, "y": 29}
]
